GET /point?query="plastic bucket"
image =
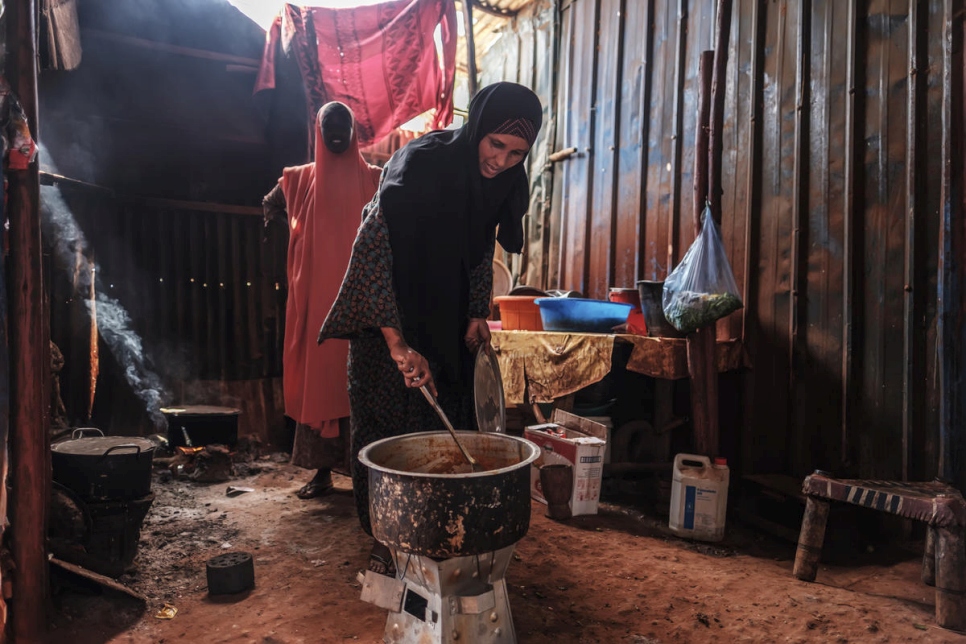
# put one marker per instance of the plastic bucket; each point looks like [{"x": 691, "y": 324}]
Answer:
[
  {"x": 519, "y": 313},
  {"x": 632, "y": 296},
  {"x": 652, "y": 305}
]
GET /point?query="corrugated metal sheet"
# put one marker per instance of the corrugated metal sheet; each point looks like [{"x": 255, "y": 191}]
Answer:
[
  {"x": 488, "y": 25},
  {"x": 838, "y": 129},
  {"x": 205, "y": 293}
]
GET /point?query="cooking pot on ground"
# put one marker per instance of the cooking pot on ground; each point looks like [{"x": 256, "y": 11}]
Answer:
[
  {"x": 198, "y": 425},
  {"x": 103, "y": 468},
  {"x": 424, "y": 499}
]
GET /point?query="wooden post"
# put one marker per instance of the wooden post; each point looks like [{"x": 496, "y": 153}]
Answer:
[
  {"x": 811, "y": 538},
  {"x": 29, "y": 358},
  {"x": 929, "y": 558},
  {"x": 951, "y": 578},
  {"x": 471, "y": 70},
  {"x": 701, "y": 344},
  {"x": 716, "y": 122}
]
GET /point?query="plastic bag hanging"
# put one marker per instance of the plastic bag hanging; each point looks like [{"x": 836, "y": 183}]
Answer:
[{"x": 702, "y": 288}]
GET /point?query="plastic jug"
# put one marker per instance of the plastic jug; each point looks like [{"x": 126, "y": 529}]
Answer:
[{"x": 699, "y": 497}]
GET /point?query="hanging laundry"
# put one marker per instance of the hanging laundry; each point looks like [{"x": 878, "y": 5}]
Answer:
[{"x": 380, "y": 60}]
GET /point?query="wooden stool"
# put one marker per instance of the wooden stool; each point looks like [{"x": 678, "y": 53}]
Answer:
[{"x": 940, "y": 506}]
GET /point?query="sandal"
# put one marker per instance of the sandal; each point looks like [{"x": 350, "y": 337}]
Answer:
[
  {"x": 380, "y": 561},
  {"x": 320, "y": 485}
]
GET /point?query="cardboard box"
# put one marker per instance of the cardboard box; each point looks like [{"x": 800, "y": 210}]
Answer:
[{"x": 579, "y": 442}]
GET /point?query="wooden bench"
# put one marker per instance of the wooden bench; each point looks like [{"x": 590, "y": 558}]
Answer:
[{"x": 937, "y": 504}]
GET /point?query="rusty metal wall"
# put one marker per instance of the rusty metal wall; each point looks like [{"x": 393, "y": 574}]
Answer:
[
  {"x": 205, "y": 295},
  {"x": 838, "y": 124}
]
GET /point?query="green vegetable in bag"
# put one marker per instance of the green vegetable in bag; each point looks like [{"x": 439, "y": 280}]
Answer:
[{"x": 702, "y": 288}]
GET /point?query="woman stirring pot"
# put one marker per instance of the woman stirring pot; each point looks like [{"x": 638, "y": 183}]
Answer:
[{"x": 416, "y": 295}]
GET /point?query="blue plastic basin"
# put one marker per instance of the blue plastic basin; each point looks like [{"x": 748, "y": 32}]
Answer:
[{"x": 583, "y": 315}]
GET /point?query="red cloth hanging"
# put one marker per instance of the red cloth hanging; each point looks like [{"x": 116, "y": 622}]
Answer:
[{"x": 380, "y": 60}]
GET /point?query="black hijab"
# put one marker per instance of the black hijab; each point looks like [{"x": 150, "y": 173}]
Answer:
[{"x": 442, "y": 216}]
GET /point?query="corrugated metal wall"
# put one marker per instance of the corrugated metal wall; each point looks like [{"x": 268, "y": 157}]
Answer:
[
  {"x": 837, "y": 134},
  {"x": 204, "y": 293}
]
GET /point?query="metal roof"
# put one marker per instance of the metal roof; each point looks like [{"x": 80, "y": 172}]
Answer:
[{"x": 486, "y": 25}]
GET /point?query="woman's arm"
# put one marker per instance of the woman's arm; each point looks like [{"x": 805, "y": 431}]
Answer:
[
  {"x": 367, "y": 302},
  {"x": 412, "y": 365},
  {"x": 273, "y": 205}
]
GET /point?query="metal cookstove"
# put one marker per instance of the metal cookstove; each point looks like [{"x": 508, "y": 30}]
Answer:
[
  {"x": 456, "y": 600},
  {"x": 451, "y": 530}
]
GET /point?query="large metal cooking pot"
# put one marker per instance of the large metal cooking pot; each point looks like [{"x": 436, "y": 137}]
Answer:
[
  {"x": 424, "y": 498},
  {"x": 103, "y": 468}
]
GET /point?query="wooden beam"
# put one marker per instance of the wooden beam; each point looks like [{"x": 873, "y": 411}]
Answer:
[
  {"x": 702, "y": 370},
  {"x": 471, "y": 72},
  {"x": 29, "y": 357},
  {"x": 51, "y": 179},
  {"x": 716, "y": 122},
  {"x": 168, "y": 48},
  {"x": 207, "y": 206}
]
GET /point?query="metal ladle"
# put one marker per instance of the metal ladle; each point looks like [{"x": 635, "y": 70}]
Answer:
[{"x": 442, "y": 415}]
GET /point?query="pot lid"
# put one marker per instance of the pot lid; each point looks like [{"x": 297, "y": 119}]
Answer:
[
  {"x": 200, "y": 410},
  {"x": 104, "y": 446},
  {"x": 488, "y": 391}
]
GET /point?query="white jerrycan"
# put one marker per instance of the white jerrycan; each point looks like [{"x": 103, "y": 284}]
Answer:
[{"x": 699, "y": 497}]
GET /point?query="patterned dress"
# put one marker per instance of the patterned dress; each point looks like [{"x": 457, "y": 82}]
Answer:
[{"x": 381, "y": 404}]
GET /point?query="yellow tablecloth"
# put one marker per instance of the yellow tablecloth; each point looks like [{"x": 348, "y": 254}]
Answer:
[{"x": 556, "y": 364}]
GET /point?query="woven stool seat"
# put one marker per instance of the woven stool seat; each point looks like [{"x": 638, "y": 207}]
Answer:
[
  {"x": 937, "y": 504},
  {"x": 932, "y": 502}
]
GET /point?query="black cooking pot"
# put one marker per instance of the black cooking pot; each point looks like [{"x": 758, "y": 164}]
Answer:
[
  {"x": 103, "y": 468},
  {"x": 424, "y": 499},
  {"x": 198, "y": 425}
]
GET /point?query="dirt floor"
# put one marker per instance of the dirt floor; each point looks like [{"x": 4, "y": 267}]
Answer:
[{"x": 618, "y": 577}]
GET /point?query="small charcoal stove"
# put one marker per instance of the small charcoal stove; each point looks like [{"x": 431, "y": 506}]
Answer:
[{"x": 451, "y": 532}]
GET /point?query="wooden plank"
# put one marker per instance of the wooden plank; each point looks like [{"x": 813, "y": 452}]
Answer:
[
  {"x": 607, "y": 137},
  {"x": 557, "y": 229},
  {"x": 470, "y": 40},
  {"x": 29, "y": 356},
  {"x": 722, "y": 34},
  {"x": 107, "y": 582},
  {"x": 701, "y": 344},
  {"x": 168, "y": 48},
  {"x": 206, "y": 206}
]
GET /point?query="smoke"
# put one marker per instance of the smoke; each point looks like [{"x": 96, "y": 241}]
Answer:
[
  {"x": 113, "y": 321},
  {"x": 114, "y": 325}
]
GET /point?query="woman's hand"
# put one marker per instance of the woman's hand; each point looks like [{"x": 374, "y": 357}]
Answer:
[
  {"x": 477, "y": 334},
  {"x": 413, "y": 366}
]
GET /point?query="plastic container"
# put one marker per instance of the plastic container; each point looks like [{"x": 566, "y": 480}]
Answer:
[
  {"x": 519, "y": 313},
  {"x": 699, "y": 497},
  {"x": 632, "y": 296},
  {"x": 651, "y": 294},
  {"x": 581, "y": 315}
]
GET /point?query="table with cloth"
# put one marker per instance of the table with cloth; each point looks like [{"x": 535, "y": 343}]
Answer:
[{"x": 544, "y": 366}]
